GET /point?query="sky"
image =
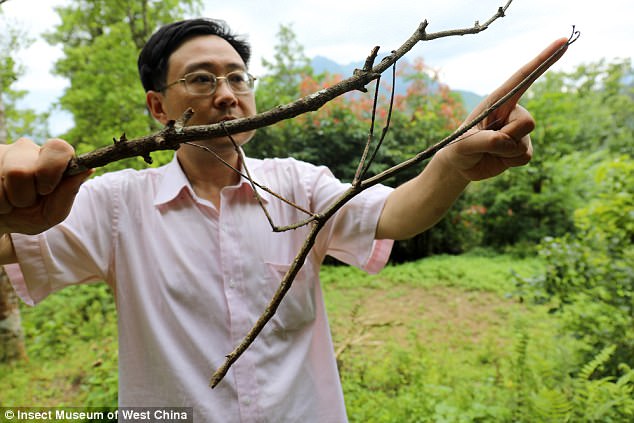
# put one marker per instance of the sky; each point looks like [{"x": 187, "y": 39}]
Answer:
[{"x": 346, "y": 31}]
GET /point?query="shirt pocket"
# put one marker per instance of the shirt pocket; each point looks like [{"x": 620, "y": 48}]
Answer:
[{"x": 298, "y": 305}]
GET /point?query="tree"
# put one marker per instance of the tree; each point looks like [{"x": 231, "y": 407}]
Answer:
[
  {"x": 578, "y": 114},
  {"x": 11, "y": 335},
  {"x": 101, "y": 41},
  {"x": 289, "y": 67},
  {"x": 425, "y": 113}
]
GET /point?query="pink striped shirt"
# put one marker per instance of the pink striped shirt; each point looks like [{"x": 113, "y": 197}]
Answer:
[{"x": 190, "y": 281}]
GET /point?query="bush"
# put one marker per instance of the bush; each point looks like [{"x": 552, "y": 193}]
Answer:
[
  {"x": 590, "y": 274},
  {"x": 76, "y": 326}
]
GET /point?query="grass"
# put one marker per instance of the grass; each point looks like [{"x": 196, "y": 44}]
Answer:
[
  {"x": 433, "y": 340},
  {"x": 437, "y": 340},
  {"x": 72, "y": 348}
]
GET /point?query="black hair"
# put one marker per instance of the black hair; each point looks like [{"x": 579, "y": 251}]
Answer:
[{"x": 154, "y": 56}]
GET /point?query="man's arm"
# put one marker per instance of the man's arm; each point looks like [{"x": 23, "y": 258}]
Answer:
[
  {"x": 7, "y": 252},
  {"x": 501, "y": 142},
  {"x": 34, "y": 194}
]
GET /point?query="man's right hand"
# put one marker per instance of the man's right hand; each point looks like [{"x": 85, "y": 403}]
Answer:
[{"x": 34, "y": 193}]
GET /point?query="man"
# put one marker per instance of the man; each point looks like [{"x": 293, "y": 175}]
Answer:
[{"x": 189, "y": 254}]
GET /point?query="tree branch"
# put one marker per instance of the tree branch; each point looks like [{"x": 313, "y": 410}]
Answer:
[
  {"x": 359, "y": 331},
  {"x": 170, "y": 137}
]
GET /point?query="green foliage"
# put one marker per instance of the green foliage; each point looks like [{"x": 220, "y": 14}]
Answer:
[
  {"x": 89, "y": 312},
  {"x": 582, "y": 117},
  {"x": 585, "y": 110},
  {"x": 71, "y": 341},
  {"x": 422, "y": 361},
  {"x": 524, "y": 370},
  {"x": 419, "y": 119},
  {"x": 469, "y": 272},
  {"x": 101, "y": 40},
  {"x": 580, "y": 398},
  {"x": 16, "y": 121},
  {"x": 11, "y": 39},
  {"x": 520, "y": 378},
  {"x": 25, "y": 122},
  {"x": 280, "y": 84},
  {"x": 590, "y": 274},
  {"x": 517, "y": 208},
  {"x": 289, "y": 77},
  {"x": 8, "y": 67},
  {"x": 421, "y": 369},
  {"x": 405, "y": 385},
  {"x": 335, "y": 135}
]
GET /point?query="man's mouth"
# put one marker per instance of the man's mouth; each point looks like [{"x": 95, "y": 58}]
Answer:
[{"x": 226, "y": 119}]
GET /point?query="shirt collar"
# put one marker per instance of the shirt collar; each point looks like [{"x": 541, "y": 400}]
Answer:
[{"x": 174, "y": 181}]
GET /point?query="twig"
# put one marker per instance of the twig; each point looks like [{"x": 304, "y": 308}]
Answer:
[
  {"x": 355, "y": 82},
  {"x": 321, "y": 218},
  {"x": 386, "y": 128},
  {"x": 456, "y": 135},
  {"x": 247, "y": 177},
  {"x": 366, "y": 149},
  {"x": 359, "y": 331}
]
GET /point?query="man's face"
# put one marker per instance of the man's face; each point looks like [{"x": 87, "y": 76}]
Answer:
[{"x": 206, "y": 53}]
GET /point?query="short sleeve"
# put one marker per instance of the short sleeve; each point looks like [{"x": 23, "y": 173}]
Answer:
[
  {"x": 76, "y": 251},
  {"x": 349, "y": 235}
]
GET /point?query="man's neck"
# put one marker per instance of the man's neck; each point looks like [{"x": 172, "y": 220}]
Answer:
[{"x": 207, "y": 173}]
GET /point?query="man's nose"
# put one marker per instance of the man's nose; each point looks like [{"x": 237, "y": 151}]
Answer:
[{"x": 224, "y": 95}]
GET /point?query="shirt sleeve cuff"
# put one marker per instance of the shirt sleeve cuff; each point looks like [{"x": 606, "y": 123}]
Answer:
[
  {"x": 381, "y": 248},
  {"x": 380, "y": 255},
  {"x": 29, "y": 278}
]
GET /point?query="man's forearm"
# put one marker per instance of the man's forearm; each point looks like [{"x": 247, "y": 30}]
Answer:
[{"x": 421, "y": 202}]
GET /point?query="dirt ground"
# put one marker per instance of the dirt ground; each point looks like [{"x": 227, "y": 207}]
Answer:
[{"x": 440, "y": 318}]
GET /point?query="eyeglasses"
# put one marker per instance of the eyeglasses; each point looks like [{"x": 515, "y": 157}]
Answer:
[{"x": 206, "y": 83}]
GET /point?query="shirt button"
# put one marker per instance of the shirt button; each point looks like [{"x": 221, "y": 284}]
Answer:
[
  {"x": 246, "y": 402},
  {"x": 231, "y": 284}
]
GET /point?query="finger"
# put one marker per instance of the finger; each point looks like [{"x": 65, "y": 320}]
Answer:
[
  {"x": 520, "y": 123},
  {"x": 62, "y": 197},
  {"x": 50, "y": 166},
  {"x": 495, "y": 143},
  {"x": 5, "y": 206},
  {"x": 18, "y": 165},
  {"x": 525, "y": 154},
  {"x": 498, "y": 117},
  {"x": 526, "y": 70}
]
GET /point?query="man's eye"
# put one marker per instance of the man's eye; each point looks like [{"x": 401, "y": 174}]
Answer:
[
  {"x": 237, "y": 78},
  {"x": 200, "y": 79}
]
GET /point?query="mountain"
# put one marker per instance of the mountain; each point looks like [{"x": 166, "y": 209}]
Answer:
[
  {"x": 469, "y": 99},
  {"x": 321, "y": 64}
]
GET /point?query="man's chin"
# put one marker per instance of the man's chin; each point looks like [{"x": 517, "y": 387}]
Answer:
[
  {"x": 227, "y": 142},
  {"x": 239, "y": 139}
]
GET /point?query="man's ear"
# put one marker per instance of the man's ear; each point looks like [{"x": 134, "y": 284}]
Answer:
[{"x": 154, "y": 101}]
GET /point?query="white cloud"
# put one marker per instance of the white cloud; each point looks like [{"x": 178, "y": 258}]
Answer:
[{"x": 346, "y": 31}]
